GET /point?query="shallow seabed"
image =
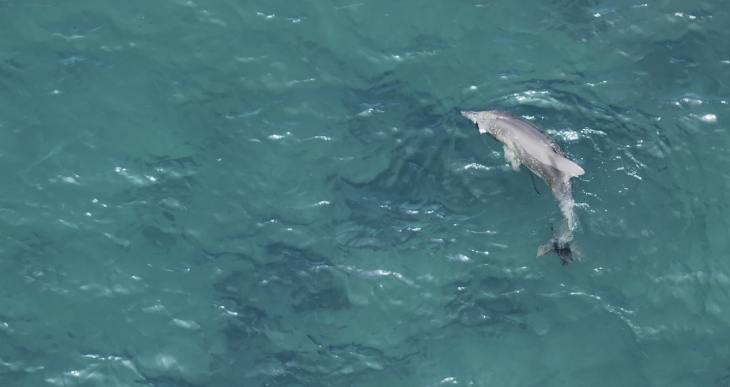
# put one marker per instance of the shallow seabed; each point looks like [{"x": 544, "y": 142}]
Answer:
[{"x": 256, "y": 193}]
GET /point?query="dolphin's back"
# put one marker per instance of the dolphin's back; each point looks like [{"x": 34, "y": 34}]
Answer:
[{"x": 531, "y": 142}]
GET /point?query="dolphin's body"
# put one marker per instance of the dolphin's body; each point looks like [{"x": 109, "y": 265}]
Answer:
[{"x": 525, "y": 143}]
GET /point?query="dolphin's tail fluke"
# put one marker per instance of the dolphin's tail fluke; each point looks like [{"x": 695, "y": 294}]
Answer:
[{"x": 561, "y": 244}]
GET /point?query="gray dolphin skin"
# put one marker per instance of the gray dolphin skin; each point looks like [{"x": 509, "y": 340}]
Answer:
[{"x": 525, "y": 143}]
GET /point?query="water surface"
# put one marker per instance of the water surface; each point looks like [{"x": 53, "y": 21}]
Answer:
[{"x": 203, "y": 193}]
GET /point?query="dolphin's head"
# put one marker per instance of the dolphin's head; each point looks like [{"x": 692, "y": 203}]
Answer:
[{"x": 480, "y": 119}]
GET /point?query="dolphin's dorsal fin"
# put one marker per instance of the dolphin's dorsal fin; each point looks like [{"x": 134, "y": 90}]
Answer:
[
  {"x": 563, "y": 163},
  {"x": 567, "y": 166}
]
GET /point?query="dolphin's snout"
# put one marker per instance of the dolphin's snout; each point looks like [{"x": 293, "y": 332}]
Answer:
[
  {"x": 476, "y": 117},
  {"x": 473, "y": 117},
  {"x": 470, "y": 115}
]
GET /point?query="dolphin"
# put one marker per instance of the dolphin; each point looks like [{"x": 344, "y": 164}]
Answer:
[{"x": 525, "y": 143}]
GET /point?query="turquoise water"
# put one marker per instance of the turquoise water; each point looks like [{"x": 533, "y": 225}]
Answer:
[{"x": 229, "y": 193}]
